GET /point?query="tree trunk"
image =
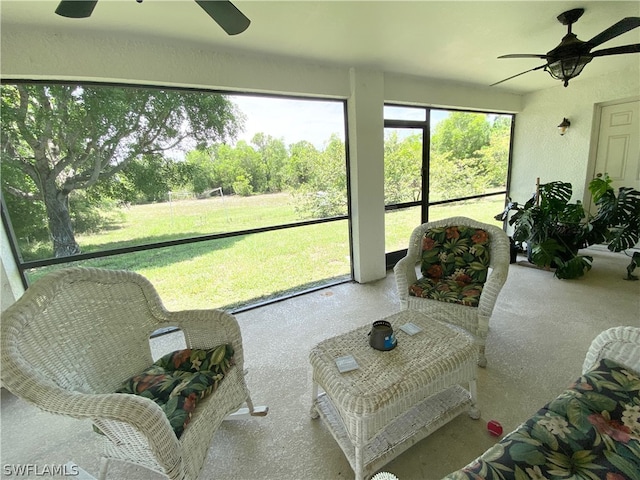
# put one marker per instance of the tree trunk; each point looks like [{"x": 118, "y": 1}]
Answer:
[{"x": 60, "y": 227}]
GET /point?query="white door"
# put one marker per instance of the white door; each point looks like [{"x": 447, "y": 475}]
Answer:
[{"x": 618, "y": 151}]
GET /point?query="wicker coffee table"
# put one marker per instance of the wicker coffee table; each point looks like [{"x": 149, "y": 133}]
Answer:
[{"x": 394, "y": 398}]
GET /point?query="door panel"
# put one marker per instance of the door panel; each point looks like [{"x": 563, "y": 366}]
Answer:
[{"x": 618, "y": 151}]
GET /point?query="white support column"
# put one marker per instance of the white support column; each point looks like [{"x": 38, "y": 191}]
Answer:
[{"x": 366, "y": 154}]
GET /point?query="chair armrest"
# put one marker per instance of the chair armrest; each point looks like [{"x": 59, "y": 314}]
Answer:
[
  {"x": 492, "y": 287},
  {"x": 209, "y": 328},
  {"x": 498, "y": 271},
  {"x": 405, "y": 275},
  {"x": 138, "y": 422},
  {"x": 620, "y": 344}
]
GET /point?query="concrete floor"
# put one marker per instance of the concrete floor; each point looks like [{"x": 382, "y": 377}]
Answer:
[{"x": 540, "y": 332}]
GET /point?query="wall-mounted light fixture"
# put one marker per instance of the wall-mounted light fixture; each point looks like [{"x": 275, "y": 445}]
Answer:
[{"x": 564, "y": 126}]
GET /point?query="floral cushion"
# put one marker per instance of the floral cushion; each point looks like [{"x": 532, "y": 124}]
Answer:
[
  {"x": 180, "y": 379},
  {"x": 454, "y": 265},
  {"x": 448, "y": 290},
  {"x": 591, "y": 431}
]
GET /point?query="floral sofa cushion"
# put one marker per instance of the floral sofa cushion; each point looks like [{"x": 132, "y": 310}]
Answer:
[
  {"x": 180, "y": 379},
  {"x": 454, "y": 265},
  {"x": 591, "y": 431}
]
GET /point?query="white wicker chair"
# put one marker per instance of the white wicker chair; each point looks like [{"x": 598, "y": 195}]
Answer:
[
  {"x": 474, "y": 319},
  {"x": 76, "y": 334}
]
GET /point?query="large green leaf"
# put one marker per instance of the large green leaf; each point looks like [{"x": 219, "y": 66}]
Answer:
[
  {"x": 574, "y": 268},
  {"x": 599, "y": 186},
  {"x": 523, "y": 452},
  {"x": 623, "y": 464},
  {"x": 520, "y": 474},
  {"x": 618, "y": 217},
  {"x": 626, "y": 383},
  {"x": 543, "y": 254},
  {"x": 555, "y": 195},
  {"x": 599, "y": 402},
  {"x": 577, "y": 414},
  {"x": 543, "y": 434}
]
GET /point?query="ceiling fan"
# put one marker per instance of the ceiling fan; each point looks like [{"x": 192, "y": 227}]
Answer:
[
  {"x": 567, "y": 60},
  {"x": 225, "y": 13}
]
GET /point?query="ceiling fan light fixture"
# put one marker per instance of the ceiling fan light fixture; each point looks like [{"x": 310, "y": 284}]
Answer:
[
  {"x": 567, "y": 68},
  {"x": 567, "y": 60}
]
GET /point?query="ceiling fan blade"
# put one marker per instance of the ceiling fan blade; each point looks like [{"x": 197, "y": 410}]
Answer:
[
  {"x": 518, "y": 74},
  {"x": 523, "y": 55},
  {"x": 76, "y": 8},
  {"x": 635, "y": 48},
  {"x": 226, "y": 14},
  {"x": 614, "y": 30}
]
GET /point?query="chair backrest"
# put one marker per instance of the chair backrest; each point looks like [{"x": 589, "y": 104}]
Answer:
[
  {"x": 458, "y": 251},
  {"x": 85, "y": 330},
  {"x": 471, "y": 242}
]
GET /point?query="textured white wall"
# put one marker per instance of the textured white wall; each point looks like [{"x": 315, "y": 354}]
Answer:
[
  {"x": 540, "y": 151},
  {"x": 411, "y": 90}
]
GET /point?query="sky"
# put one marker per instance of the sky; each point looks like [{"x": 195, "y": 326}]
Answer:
[
  {"x": 291, "y": 120},
  {"x": 301, "y": 119}
]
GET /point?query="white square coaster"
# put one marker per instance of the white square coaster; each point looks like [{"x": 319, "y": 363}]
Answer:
[{"x": 346, "y": 363}]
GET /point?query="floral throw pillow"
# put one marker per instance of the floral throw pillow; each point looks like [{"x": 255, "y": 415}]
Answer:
[
  {"x": 457, "y": 252},
  {"x": 177, "y": 381},
  {"x": 454, "y": 265},
  {"x": 448, "y": 290}
]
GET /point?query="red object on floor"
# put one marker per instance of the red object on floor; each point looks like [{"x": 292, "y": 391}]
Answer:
[{"x": 494, "y": 428}]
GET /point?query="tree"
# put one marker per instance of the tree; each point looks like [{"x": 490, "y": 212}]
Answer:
[
  {"x": 201, "y": 170},
  {"x": 29, "y": 218},
  {"x": 457, "y": 165},
  {"x": 153, "y": 176},
  {"x": 494, "y": 162},
  {"x": 238, "y": 167},
  {"x": 273, "y": 154},
  {"x": 302, "y": 157},
  {"x": 325, "y": 192},
  {"x": 69, "y": 137},
  {"x": 402, "y": 167},
  {"x": 462, "y": 134}
]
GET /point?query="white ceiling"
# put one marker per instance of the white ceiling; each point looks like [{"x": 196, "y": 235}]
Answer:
[{"x": 453, "y": 40}]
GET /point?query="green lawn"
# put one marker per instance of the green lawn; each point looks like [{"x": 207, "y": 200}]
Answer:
[
  {"x": 236, "y": 271},
  {"x": 186, "y": 218}
]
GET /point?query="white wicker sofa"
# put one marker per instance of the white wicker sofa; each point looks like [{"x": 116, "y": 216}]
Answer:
[{"x": 591, "y": 431}]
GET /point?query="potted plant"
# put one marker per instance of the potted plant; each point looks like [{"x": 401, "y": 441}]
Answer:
[
  {"x": 555, "y": 229},
  {"x": 617, "y": 222}
]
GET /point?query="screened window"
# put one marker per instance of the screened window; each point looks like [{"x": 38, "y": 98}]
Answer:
[
  {"x": 442, "y": 163},
  {"x": 219, "y": 199}
]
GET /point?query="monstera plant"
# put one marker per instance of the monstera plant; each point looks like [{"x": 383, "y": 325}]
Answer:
[
  {"x": 555, "y": 229},
  {"x": 617, "y": 223}
]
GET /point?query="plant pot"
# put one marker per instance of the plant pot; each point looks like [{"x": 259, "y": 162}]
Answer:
[
  {"x": 571, "y": 250},
  {"x": 513, "y": 251}
]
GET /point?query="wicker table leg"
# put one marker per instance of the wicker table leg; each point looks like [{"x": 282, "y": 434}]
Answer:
[
  {"x": 474, "y": 411},
  {"x": 359, "y": 460}
]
